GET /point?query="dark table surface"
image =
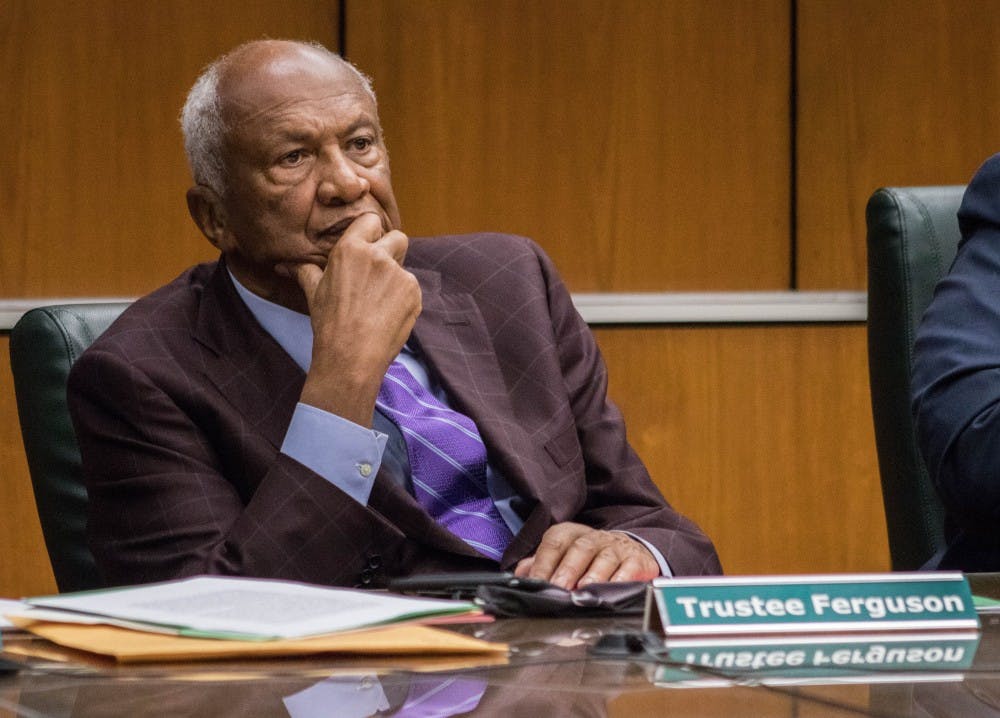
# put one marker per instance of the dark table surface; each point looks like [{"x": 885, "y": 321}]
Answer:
[{"x": 552, "y": 670}]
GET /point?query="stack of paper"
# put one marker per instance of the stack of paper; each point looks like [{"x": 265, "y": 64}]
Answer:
[
  {"x": 214, "y": 617},
  {"x": 239, "y": 608},
  {"x": 9, "y": 606}
]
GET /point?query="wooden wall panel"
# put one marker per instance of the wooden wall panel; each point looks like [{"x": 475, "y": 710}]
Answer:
[
  {"x": 895, "y": 92},
  {"x": 24, "y": 564},
  {"x": 763, "y": 435},
  {"x": 94, "y": 173},
  {"x": 644, "y": 143}
]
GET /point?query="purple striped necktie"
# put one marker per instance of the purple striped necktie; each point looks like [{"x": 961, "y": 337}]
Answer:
[{"x": 447, "y": 462}]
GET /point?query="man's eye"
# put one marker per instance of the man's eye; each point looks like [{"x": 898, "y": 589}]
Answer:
[
  {"x": 293, "y": 158},
  {"x": 361, "y": 143}
]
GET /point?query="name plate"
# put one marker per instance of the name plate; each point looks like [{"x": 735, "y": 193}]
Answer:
[{"x": 810, "y": 604}]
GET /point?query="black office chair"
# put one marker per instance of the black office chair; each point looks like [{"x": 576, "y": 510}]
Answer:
[
  {"x": 912, "y": 238},
  {"x": 43, "y": 346}
]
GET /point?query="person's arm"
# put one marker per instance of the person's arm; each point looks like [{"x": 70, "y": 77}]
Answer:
[
  {"x": 165, "y": 501},
  {"x": 956, "y": 371},
  {"x": 362, "y": 306},
  {"x": 620, "y": 494}
]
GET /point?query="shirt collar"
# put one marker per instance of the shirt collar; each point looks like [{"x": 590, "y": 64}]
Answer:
[{"x": 292, "y": 330}]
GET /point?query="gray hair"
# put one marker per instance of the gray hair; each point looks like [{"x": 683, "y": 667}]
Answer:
[{"x": 205, "y": 130}]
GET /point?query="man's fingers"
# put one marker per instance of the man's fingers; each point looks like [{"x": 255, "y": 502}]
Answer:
[
  {"x": 633, "y": 569},
  {"x": 367, "y": 227},
  {"x": 572, "y": 555},
  {"x": 544, "y": 562},
  {"x": 574, "y": 564},
  {"x": 556, "y": 542},
  {"x": 602, "y": 567},
  {"x": 307, "y": 275},
  {"x": 395, "y": 244},
  {"x": 523, "y": 567}
]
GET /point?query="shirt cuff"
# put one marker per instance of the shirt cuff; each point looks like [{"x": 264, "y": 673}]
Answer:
[
  {"x": 664, "y": 566},
  {"x": 342, "y": 452}
]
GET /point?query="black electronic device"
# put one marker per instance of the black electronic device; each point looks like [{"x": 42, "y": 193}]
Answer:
[{"x": 462, "y": 585}]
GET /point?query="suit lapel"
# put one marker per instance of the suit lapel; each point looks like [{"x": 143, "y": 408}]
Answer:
[{"x": 246, "y": 364}]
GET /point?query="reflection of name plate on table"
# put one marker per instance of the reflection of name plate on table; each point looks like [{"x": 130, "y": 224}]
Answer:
[
  {"x": 933, "y": 656},
  {"x": 810, "y": 604}
]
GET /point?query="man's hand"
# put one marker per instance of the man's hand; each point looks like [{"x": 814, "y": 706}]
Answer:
[
  {"x": 362, "y": 308},
  {"x": 573, "y": 555}
]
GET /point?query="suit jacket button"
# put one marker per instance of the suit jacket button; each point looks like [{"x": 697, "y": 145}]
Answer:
[
  {"x": 374, "y": 562},
  {"x": 366, "y": 576}
]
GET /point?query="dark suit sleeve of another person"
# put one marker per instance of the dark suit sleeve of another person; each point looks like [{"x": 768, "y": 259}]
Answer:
[{"x": 956, "y": 373}]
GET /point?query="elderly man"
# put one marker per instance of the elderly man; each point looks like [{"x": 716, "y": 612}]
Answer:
[{"x": 330, "y": 402}]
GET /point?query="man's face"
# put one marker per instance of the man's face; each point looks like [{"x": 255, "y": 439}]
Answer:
[{"x": 304, "y": 157}]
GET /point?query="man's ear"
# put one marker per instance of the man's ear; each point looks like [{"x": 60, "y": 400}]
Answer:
[{"x": 206, "y": 209}]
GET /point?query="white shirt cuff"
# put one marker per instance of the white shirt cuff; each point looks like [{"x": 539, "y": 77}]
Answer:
[{"x": 342, "y": 452}]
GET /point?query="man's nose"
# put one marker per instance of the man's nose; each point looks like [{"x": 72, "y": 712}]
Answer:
[{"x": 340, "y": 181}]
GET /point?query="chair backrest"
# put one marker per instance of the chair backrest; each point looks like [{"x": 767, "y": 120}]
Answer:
[
  {"x": 43, "y": 346},
  {"x": 912, "y": 239}
]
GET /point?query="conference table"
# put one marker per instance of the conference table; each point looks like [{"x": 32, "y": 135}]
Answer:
[{"x": 555, "y": 667}]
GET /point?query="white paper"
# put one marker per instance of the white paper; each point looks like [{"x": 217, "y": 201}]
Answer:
[
  {"x": 85, "y": 619},
  {"x": 248, "y": 607},
  {"x": 8, "y": 606}
]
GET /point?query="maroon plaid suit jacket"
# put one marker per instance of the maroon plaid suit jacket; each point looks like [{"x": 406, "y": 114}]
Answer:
[{"x": 181, "y": 407}]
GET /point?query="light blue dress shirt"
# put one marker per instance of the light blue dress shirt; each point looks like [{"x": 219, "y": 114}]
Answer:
[{"x": 350, "y": 455}]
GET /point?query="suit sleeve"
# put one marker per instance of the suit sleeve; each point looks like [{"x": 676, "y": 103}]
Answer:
[
  {"x": 956, "y": 383},
  {"x": 164, "y": 504},
  {"x": 620, "y": 493}
]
